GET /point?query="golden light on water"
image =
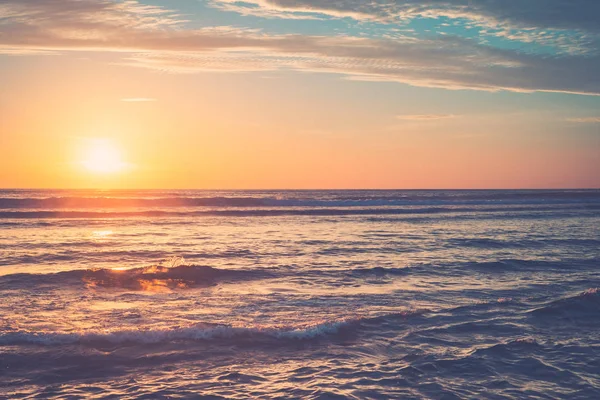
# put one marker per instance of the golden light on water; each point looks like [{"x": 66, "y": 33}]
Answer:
[
  {"x": 103, "y": 156},
  {"x": 102, "y": 233}
]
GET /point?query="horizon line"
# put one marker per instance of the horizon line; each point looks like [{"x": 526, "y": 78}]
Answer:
[{"x": 307, "y": 189}]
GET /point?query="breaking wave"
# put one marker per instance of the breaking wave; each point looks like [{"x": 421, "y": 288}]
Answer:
[
  {"x": 202, "y": 332},
  {"x": 182, "y": 276},
  {"x": 146, "y": 278}
]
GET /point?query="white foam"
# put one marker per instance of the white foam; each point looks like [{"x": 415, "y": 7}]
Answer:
[{"x": 152, "y": 336}]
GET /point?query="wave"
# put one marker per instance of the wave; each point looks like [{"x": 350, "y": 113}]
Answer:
[
  {"x": 482, "y": 328},
  {"x": 92, "y": 252},
  {"x": 153, "y": 278},
  {"x": 274, "y": 212},
  {"x": 486, "y": 304},
  {"x": 381, "y": 271},
  {"x": 233, "y": 202},
  {"x": 201, "y": 332},
  {"x": 488, "y": 243},
  {"x": 121, "y": 202},
  {"x": 153, "y": 336},
  {"x": 52, "y": 199},
  {"x": 515, "y": 346},
  {"x": 521, "y": 265},
  {"x": 489, "y": 267},
  {"x": 581, "y": 306}
]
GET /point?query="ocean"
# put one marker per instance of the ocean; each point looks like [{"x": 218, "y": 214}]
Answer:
[{"x": 164, "y": 294}]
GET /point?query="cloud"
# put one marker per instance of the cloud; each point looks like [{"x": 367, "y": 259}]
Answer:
[
  {"x": 545, "y": 14},
  {"x": 80, "y": 17},
  {"x": 585, "y": 120},
  {"x": 249, "y": 9},
  {"x": 153, "y": 37},
  {"x": 425, "y": 117},
  {"x": 25, "y": 52},
  {"x": 139, "y": 99},
  {"x": 569, "y": 26},
  {"x": 447, "y": 62}
]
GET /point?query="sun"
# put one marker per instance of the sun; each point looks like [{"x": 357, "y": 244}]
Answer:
[{"x": 102, "y": 156}]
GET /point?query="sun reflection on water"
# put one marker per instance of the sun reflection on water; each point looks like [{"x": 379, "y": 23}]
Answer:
[{"x": 102, "y": 234}]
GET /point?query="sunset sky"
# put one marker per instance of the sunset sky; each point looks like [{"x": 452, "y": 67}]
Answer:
[{"x": 300, "y": 94}]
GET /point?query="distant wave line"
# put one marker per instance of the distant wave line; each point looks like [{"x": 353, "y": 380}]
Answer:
[
  {"x": 74, "y": 202},
  {"x": 273, "y": 212}
]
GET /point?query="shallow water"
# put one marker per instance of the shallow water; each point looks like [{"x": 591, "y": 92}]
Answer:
[{"x": 299, "y": 294}]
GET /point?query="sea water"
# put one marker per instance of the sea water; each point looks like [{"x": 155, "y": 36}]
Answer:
[{"x": 300, "y": 294}]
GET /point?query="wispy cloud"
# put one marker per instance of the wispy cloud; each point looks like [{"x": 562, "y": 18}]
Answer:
[
  {"x": 138, "y": 99},
  {"x": 154, "y": 37},
  {"x": 250, "y": 9},
  {"x": 530, "y": 14},
  {"x": 15, "y": 51},
  {"x": 569, "y": 26},
  {"x": 425, "y": 117},
  {"x": 585, "y": 120}
]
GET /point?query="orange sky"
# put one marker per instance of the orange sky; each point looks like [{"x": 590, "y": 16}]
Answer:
[{"x": 278, "y": 127}]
